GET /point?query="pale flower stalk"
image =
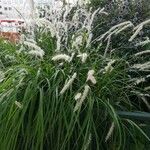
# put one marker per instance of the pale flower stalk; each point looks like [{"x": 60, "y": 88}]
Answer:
[
  {"x": 61, "y": 57},
  {"x": 135, "y": 34},
  {"x": 147, "y": 88},
  {"x": 2, "y": 76},
  {"x": 58, "y": 43},
  {"x": 18, "y": 104},
  {"x": 140, "y": 80},
  {"x": 36, "y": 50},
  {"x": 78, "y": 96},
  {"x": 142, "y": 66},
  {"x": 142, "y": 24},
  {"x": 91, "y": 76},
  {"x": 110, "y": 132},
  {"x": 146, "y": 102},
  {"x": 143, "y": 43},
  {"x": 89, "y": 40},
  {"x": 109, "y": 67},
  {"x": 77, "y": 41},
  {"x": 83, "y": 97},
  {"x": 32, "y": 45},
  {"x": 124, "y": 28},
  {"x": 88, "y": 142},
  {"x": 68, "y": 84},
  {"x": 83, "y": 57},
  {"x": 36, "y": 53},
  {"x": 142, "y": 53},
  {"x": 114, "y": 28},
  {"x": 108, "y": 44},
  {"x": 138, "y": 28}
]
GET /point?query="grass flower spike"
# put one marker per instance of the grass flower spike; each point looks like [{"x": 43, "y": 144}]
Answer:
[
  {"x": 69, "y": 83},
  {"x": 109, "y": 134},
  {"x": 83, "y": 57},
  {"x": 83, "y": 97},
  {"x": 78, "y": 96},
  {"x": 109, "y": 67},
  {"x": 61, "y": 57},
  {"x": 91, "y": 76},
  {"x": 18, "y": 104},
  {"x": 36, "y": 53}
]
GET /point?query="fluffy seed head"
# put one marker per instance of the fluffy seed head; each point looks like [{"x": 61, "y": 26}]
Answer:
[
  {"x": 69, "y": 83},
  {"x": 109, "y": 134},
  {"x": 83, "y": 57},
  {"x": 78, "y": 96},
  {"x": 2, "y": 76},
  {"x": 18, "y": 104},
  {"x": 109, "y": 67},
  {"x": 36, "y": 53},
  {"x": 91, "y": 77},
  {"x": 83, "y": 97},
  {"x": 143, "y": 52},
  {"x": 62, "y": 57}
]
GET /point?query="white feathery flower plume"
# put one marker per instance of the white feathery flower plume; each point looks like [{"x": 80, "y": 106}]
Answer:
[
  {"x": 138, "y": 28},
  {"x": 37, "y": 53},
  {"x": 142, "y": 66},
  {"x": 109, "y": 67},
  {"x": 68, "y": 84},
  {"x": 2, "y": 76},
  {"x": 136, "y": 33},
  {"x": 140, "y": 80},
  {"x": 144, "y": 97},
  {"x": 43, "y": 22},
  {"x": 142, "y": 24},
  {"x": 143, "y": 43},
  {"x": 89, "y": 40},
  {"x": 83, "y": 57},
  {"x": 7, "y": 93},
  {"x": 114, "y": 30},
  {"x": 83, "y": 97},
  {"x": 91, "y": 76},
  {"x": 36, "y": 50},
  {"x": 109, "y": 134},
  {"x": 146, "y": 102},
  {"x": 91, "y": 19},
  {"x": 124, "y": 28},
  {"x": 78, "y": 96},
  {"x": 103, "y": 12},
  {"x": 83, "y": 2},
  {"x": 108, "y": 44},
  {"x": 18, "y": 104},
  {"x": 141, "y": 94},
  {"x": 72, "y": 56},
  {"x": 58, "y": 42},
  {"x": 77, "y": 42},
  {"x": 61, "y": 57},
  {"x": 31, "y": 45},
  {"x": 86, "y": 146},
  {"x": 147, "y": 88},
  {"x": 143, "y": 52}
]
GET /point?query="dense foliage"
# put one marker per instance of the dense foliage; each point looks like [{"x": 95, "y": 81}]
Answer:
[{"x": 62, "y": 86}]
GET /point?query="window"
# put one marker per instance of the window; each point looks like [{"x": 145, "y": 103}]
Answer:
[
  {"x": 1, "y": 13},
  {"x": 0, "y": 6},
  {"x": 5, "y": 8}
]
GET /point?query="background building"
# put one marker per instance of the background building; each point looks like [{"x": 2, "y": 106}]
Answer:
[{"x": 11, "y": 9}]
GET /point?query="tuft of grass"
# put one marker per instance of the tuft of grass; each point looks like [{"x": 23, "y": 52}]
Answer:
[{"x": 35, "y": 114}]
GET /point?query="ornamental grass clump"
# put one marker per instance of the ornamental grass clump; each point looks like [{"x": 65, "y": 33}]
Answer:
[{"x": 61, "y": 93}]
